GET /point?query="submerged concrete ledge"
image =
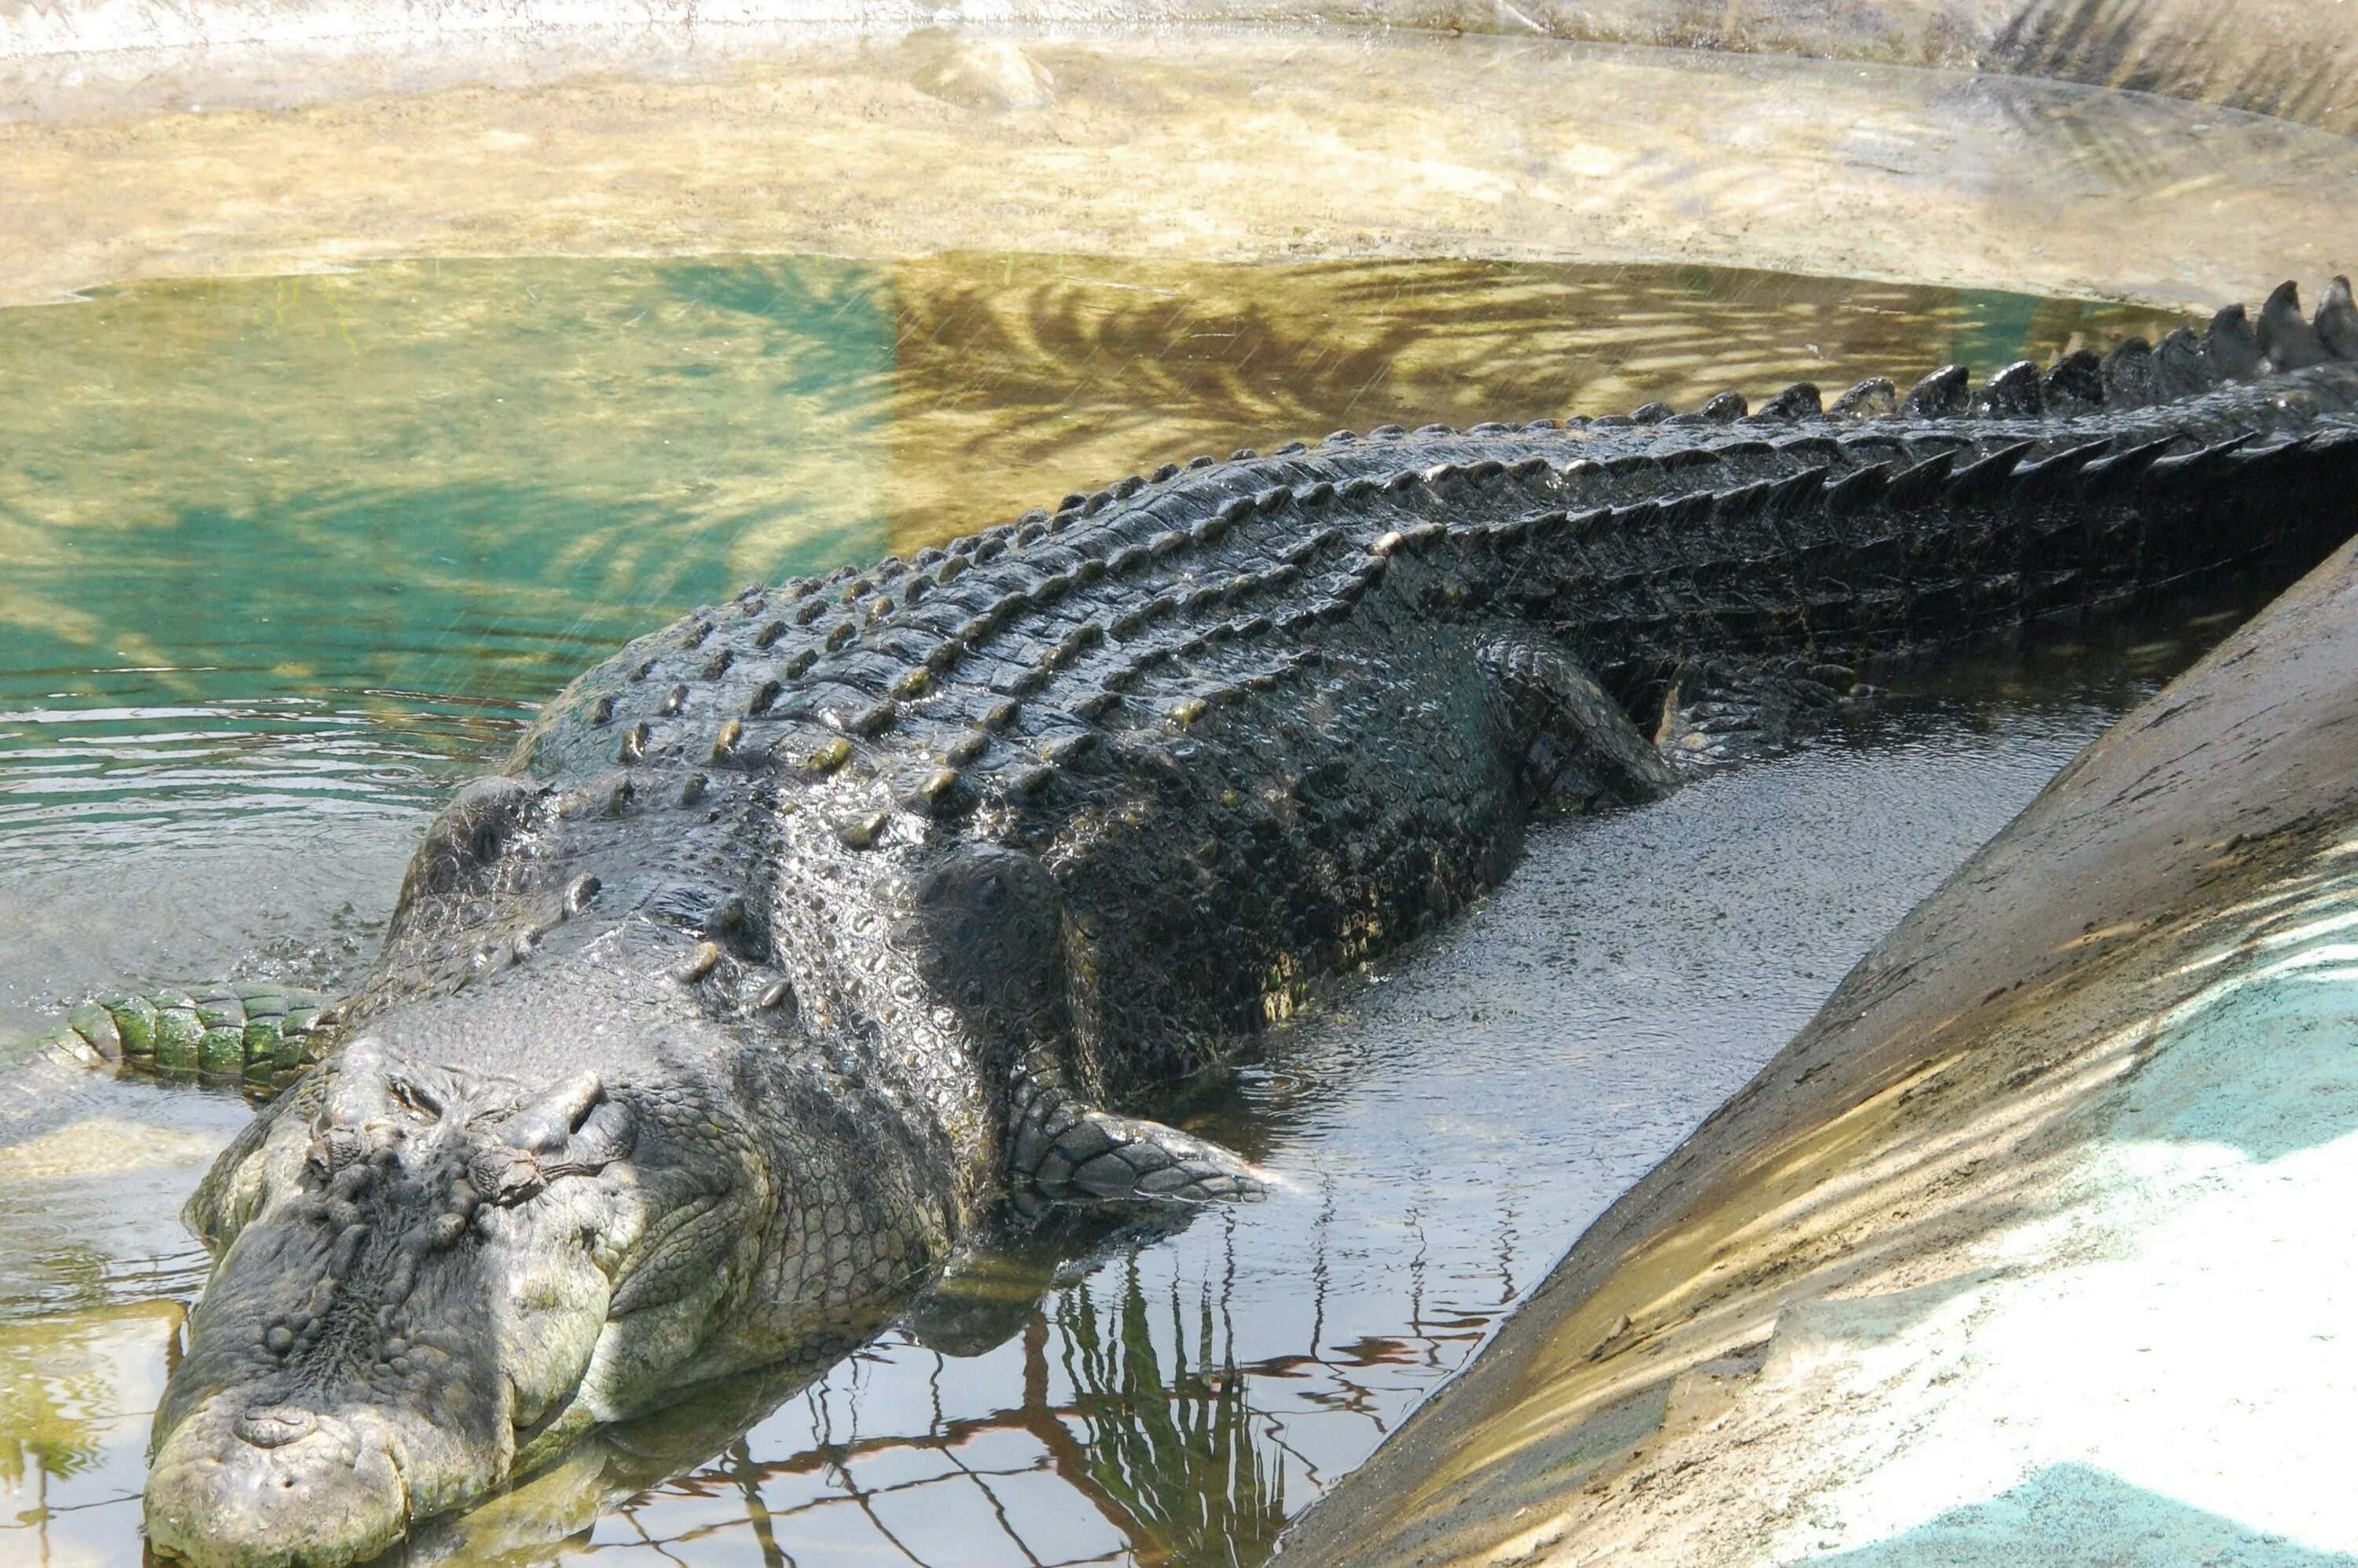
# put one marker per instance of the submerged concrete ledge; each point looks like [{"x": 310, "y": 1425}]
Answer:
[
  {"x": 2032, "y": 1248},
  {"x": 2294, "y": 58},
  {"x": 1203, "y": 143}
]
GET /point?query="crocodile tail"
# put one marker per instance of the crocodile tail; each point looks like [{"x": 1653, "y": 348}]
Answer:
[
  {"x": 2235, "y": 346},
  {"x": 256, "y": 1036},
  {"x": 1835, "y": 558},
  {"x": 2072, "y": 527},
  {"x": 2280, "y": 492}
]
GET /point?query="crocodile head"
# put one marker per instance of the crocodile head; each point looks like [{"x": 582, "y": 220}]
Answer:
[{"x": 421, "y": 1281}]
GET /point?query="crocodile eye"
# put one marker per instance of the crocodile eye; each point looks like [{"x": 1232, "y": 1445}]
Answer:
[
  {"x": 504, "y": 1177},
  {"x": 333, "y": 1149}
]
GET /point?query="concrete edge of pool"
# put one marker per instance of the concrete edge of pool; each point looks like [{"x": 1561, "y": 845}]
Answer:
[{"x": 2027, "y": 1249}]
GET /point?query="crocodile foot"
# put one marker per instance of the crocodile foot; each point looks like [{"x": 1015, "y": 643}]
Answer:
[
  {"x": 1585, "y": 751},
  {"x": 1064, "y": 1149},
  {"x": 1714, "y": 715}
]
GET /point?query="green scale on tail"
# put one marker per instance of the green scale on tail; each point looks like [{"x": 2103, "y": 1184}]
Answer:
[{"x": 258, "y": 1035}]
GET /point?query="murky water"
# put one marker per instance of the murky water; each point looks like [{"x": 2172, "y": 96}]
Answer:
[{"x": 286, "y": 557}]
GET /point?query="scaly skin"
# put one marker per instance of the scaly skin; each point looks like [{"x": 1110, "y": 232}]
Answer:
[
  {"x": 257, "y": 1035},
  {"x": 799, "y": 931}
]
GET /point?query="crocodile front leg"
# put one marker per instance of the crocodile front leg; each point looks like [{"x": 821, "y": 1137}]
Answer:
[
  {"x": 1584, "y": 750},
  {"x": 1061, "y": 1149},
  {"x": 991, "y": 927}
]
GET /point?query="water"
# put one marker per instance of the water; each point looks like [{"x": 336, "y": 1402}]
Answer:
[{"x": 289, "y": 556}]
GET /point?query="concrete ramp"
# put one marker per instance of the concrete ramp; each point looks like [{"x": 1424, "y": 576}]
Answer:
[{"x": 2035, "y": 1247}]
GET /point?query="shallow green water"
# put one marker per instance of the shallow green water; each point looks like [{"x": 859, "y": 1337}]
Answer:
[{"x": 285, "y": 558}]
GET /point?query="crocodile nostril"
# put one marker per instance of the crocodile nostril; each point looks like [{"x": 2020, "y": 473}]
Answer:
[{"x": 274, "y": 1426}]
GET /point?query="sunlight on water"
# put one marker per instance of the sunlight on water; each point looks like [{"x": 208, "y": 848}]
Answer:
[{"x": 286, "y": 557}]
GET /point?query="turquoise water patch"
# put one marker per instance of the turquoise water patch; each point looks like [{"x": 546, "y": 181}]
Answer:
[
  {"x": 1994, "y": 330},
  {"x": 289, "y": 556},
  {"x": 2268, "y": 1065},
  {"x": 2076, "y": 1516}
]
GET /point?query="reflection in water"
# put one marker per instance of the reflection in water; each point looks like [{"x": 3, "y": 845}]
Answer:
[
  {"x": 1172, "y": 1452},
  {"x": 1128, "y": 1437},
  {"x": 288, "y": 557},
  {"x": 75, "y": 1395}
]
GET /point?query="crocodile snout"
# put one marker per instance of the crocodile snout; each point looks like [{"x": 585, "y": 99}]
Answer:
[{"x": 275, "y": 1486}]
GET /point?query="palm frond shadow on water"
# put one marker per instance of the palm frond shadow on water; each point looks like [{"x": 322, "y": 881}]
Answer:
[
  {"x": 1175, "y": 1447},
  {"x": 1014, "y": 373}
]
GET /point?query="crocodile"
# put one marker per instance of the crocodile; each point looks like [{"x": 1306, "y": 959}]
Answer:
[{"x": 808, "y": 931}]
